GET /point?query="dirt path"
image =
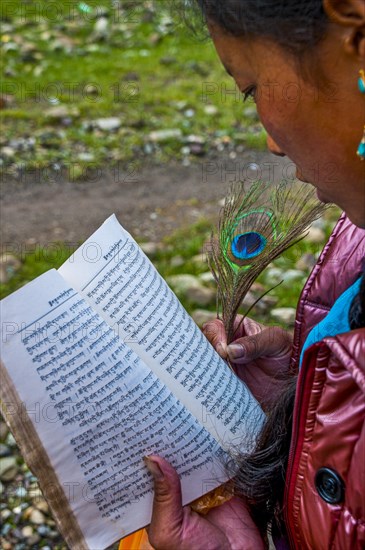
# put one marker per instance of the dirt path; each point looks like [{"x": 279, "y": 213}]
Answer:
[{"x": 149, "y": 203}]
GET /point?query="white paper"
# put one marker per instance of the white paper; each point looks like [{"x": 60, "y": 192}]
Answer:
[
  {"x": 98, "y": 409},
  {"x": 118, "y": 280}
]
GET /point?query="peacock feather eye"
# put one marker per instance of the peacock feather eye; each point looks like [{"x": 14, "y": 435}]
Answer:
[
  {"x": 247, "y": 245},
  {"x": 248, "y": 237}
]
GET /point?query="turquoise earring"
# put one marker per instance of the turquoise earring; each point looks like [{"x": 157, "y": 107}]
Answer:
[{"x": 361, "y": 147}]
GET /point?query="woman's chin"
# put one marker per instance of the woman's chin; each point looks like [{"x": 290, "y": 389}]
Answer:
[
  {"x": 302, "y": 178},
  {"x": 322, "y": 197}
]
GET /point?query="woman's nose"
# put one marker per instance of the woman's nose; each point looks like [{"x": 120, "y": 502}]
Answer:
[{"x": 273, "y": 147}]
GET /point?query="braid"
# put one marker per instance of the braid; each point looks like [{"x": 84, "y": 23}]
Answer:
[{"x": 357, "y": 309}]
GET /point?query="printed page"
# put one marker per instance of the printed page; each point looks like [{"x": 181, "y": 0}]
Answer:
[
  {"x": 97, "y": 409},
  {"x": 117, "y": 279}
]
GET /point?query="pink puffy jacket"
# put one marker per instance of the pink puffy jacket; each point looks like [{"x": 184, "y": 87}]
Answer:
[{"x": 325, "y": 486}]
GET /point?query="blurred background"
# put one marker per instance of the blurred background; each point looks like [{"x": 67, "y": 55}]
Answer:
[{"x": 118, "y": 106}]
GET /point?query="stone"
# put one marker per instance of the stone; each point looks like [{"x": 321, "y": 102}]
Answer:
[
  {"x": 274, "y": 275},
  {"x": 191, "y": 288},
  {"x": 36, "y": 517},
  {"x": 291, "y": 275},
  {"x": 251, "y": 113},
  {"x": 6, "y": 101},
  {"x": 41, "y": 504},
  {"x": 193, "y": 138},
  {"x": 4, "y": 450},
  {"x": 201, "y": 295},
  {"x": 108, "y": 124},
  {"x": 319, "y": 222},
  {"x": 7, "y": 152},
  {"x": 86, "y": 157},
  {"x": 285, "y": 315},
  {"x": 150, "y": 248},
  {"x": 210, "y": 110},
  {"x": 267, "y": 302},
  {"x": 3, "y": 430},
  {"x": 8, "y": 468},
  {"x": 189, "y": 113},
  {"x": 43, "y": 530},
  {"x": 197, "y": 149},
  {"x": 199, "y": 259},
  {"x": 17, "y": 510},
  {"x": 315, "y": 235},
  {"x": 207, "y": 278},
  {"x": 168, "y": 60},
  {"x": 306, "y": 262},
  {"x": 23, "y": 143},
  {"x": 33, "y": 540},
  {"x": 21, "y": 492},
  {"x": 101, "y": 28},
  {"x": 10, "y": 440},
  {"x": 202, "y": 316},
  {"x": 5, "y": 514},
  {"x": 264, "y": 304},
  {"x": 27, "y": 531},
  {"x": 5, "y": 530},
  {"x": 91, "y": 89},
  {"x": 257, "y": 288},
  {"x": 58, "y": 112},
  {"x": 177, "y": 261},
  {"x": 131, "y": 75},
  {"x": 159, "y": 136},
  {"x": 181, "y": 283}
]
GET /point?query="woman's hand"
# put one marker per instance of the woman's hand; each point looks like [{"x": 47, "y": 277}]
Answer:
[
  {"x": 260, "y": 355},
  {"x": 174, "y": 527}
]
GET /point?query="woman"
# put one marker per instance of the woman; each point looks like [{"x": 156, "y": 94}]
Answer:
[{"x": 316, "y": 49}]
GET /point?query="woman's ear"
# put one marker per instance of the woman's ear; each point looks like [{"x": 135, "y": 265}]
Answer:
[{"x": 350, "y": 14}]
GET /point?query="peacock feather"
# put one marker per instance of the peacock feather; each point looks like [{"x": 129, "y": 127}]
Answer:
[{"x": 255, "y": 227}]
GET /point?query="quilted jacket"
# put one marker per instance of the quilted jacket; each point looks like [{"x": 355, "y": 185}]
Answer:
[{"x": 325, "y": 486}]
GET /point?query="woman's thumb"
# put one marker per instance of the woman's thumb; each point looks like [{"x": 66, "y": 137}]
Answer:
[
  {"x": 272, "y": 341},
  {"x": 167, "y": 512}
]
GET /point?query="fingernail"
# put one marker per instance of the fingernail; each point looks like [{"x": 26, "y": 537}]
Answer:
[
  {"x": 221, "y": 349},
  {"x": 236, "y": 351},
  {"x": 153, "y": 468}
]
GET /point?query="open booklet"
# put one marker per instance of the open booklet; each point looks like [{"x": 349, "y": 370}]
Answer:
[{"x": 100, "y": 366}]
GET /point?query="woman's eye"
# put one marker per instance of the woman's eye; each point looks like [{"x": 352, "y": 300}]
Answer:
[{"x": 249, "y": 92}]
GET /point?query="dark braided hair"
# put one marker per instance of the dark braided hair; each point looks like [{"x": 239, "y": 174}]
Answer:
[
  {"x": 297, "y": 26},
  {"x": 357, "y": 309}
]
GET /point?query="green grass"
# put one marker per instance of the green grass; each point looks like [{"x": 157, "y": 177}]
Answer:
[
  {"x": 151, "y": 74},
  {"x": 34, "y": 264}
]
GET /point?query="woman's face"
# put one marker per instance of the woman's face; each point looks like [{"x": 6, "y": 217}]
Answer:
[{"x": 317, "y": 121}]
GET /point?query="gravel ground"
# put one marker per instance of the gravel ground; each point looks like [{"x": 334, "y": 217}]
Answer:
[{"x": 149, "y": 203}]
